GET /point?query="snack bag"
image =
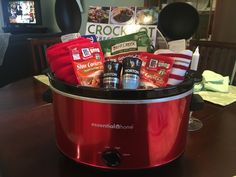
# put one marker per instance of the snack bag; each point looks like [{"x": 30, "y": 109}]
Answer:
[
  {"x": 132, "y": 42},
  {"x": 155, "y": 70},
  {"x": 87, "y": 61}
]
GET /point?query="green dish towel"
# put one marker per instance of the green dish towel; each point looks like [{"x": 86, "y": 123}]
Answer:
[
  {"x": 219, "y": 98},
  {"x": 210, "y": 76},
  {"x": 218, "y": 87},
  {"x": 215, "y": 82},
  {"x": 215, "y": 88}
]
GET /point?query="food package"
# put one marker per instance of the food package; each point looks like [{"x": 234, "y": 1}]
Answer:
[
  {"x": 155, "y": 70},
  {"x": 87, "y": 61},
  {"x": 182, "y": 62},
  {"x": 132, "y": 42}
]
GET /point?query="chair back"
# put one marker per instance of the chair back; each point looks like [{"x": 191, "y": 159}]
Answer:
[
  {"x": 38, "y": 47},
  {"x": 219, "y": 57}
]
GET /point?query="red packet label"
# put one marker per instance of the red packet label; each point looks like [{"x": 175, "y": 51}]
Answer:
[
  {"x": 87, "y": 61},
  {"x": 155, "y": 70}
]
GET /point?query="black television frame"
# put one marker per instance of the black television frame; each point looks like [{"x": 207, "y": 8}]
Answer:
[{"x": 21, "y": 26}]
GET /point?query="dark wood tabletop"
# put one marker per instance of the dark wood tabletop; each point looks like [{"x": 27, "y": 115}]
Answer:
[{"x": 28, "y": 149}]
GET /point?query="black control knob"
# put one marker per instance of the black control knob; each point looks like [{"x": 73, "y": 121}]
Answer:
[{"x": 111, "y": 157}]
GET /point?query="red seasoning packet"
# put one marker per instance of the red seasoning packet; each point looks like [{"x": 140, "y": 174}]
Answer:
[
  {"x": 87, "y": 61},
  {"x": 155, "y": 70}
]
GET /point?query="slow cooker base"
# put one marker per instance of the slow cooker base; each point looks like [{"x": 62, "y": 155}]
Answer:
[
  {"x": 103, "y": 168},
  {"x": 113, "y": 133}
]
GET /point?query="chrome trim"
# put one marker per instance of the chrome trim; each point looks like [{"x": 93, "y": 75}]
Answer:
[{"x": 107, "y": 101}]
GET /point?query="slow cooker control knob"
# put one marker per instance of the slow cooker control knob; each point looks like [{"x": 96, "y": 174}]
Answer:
[{"x": 111, "y": 158}]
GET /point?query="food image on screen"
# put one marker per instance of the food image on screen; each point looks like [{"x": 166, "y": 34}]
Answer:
[
  {"x": 21, "y": 12},
  {"x": 121, "y": 15},
  {"x": 146, "y": 16},
  {"x": 98, "y": 14}
]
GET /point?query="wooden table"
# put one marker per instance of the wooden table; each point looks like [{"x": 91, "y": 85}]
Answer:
[{"x": 27, "y": 143}]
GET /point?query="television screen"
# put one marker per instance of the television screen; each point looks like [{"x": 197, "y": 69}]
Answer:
[{"x": 22, "y": 12}]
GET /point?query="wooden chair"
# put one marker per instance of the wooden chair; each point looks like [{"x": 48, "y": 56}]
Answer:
[
  {"x": 38, "y": 47},
  {"x": 219, "y": 57}
]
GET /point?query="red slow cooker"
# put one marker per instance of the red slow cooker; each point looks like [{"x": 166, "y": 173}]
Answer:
[{"x": 121, "y": 129}]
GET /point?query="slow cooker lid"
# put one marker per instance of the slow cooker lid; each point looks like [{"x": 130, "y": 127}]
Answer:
[{"x": 121, "y": 94}]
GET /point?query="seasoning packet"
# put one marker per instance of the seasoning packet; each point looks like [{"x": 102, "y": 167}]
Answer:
[
  {"x": 155, "y": 70},
  {"x": 182, "y": 62},
  {"x": 87, "y": 61},
  {"x": 139, "y": 41}
]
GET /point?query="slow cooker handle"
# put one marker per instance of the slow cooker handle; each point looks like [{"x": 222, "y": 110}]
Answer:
[{"x": 197, "y": 103}]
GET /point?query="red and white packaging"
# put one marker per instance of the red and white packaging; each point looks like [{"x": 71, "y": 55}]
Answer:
[
  {"x": 87, "y": 60},
  {"x": 182, "y": 62},
  {"x": 155, "y": 70}
]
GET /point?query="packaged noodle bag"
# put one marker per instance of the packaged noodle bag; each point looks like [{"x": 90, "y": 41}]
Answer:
[
  {"x": 132, "y": 42},
  {"x": 155, "y": 70},
  {"x": 87, "y": 61}
]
